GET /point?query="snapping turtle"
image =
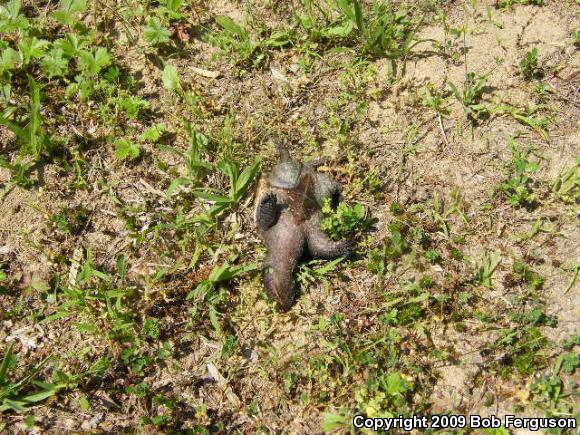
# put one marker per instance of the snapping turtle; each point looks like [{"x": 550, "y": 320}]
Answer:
[{"x": 287, "y": 215}]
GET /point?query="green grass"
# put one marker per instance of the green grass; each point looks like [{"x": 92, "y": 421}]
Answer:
[
  {"x": 510, "y": 3},
  {"x": 471, "y": 95},
  {"x": 344, "y": 220},
  {"x": 529, "y": 64},
  {"x": 518, "y": 187},
  {"x": 17, "y": 395},
  {"x": 134, "y": 135}
]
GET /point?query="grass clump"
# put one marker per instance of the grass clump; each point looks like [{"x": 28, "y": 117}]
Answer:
[
  {"x": 566, "y": 187},
  {"x": 17, "y": 395},
  {"x": 343, "y": 221},
  {"x": 247, "y": 50},
  {"x": 382, "y": 30},
  {"x": 528, "y": 276},
  {"x": 138, "y": 252},
  {"x": 503, "y": 4},
  {"x": 71, "y": 220},
  {"x": 518, "y": 187},
  {"x": 471, "y": 95},
  {"x": 529, "y": 65},
  {"x": 486, "y": 269},
  {"x": 525, "y": 346}
]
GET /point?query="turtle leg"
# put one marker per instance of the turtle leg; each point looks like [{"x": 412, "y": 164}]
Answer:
[
  {"x": 322, "y": 246},
  {"x": 327, "y": 187},
  {"x": 267, "y": 212}
]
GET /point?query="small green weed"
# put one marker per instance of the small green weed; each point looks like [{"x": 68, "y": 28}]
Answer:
[
  {"x": 410, "y": 236},
  {"x": 125, "y": 149},
  {"x": 392, "y": 249},
  {"x": 320, "y": 23},
  {"x": 575, "y": 269},
  {"x": 239, "y": 184},
  {"x": 317, "y": 271},
  {"x": 524, "y": 345},
  {"x": 344, "y": 221},
  {"x": 246, "y": 50},
  {"x": 196, "y": 167},
  {"x": 518, "y": 186},
  {"x": 170, "y": 77},
  {"x": 529, "y": 116},
  {"x": 549, "y": 392},
  {"x": 383, "y": 393},
  {"x": 212, "y": 291},
  {"x": 70, "y": 220},
  {"x": 486, "y": 269},
  {"x": 502, "y": 4},
  {"x": 97, "y": 295},
  {"x": 542, "y": 91},
  {"x": 529, "y": 64},
  {"x": 153, "y": 133},
  {"x": 432, "y": 256},
  {"x": 566, "y": 187},
  {"x": 69, "y": 11},
  {"x": 436, "y": 101},
  {"x": 131, "y": 105},
  {"x": 470, "y": 96},
  {"x": 539, "y": 226},
  {"x": 16, "y": 395},
  {"x": 387, "y": 33},
  {"x": 34, "y": 142},
  {"x": 527, "y": 275},
  {"x": 29, "y": 133},
  {"x": 381, "y": 32},
  {"x": 11, "y": 17},
  {"x": 155, "y": 32}
]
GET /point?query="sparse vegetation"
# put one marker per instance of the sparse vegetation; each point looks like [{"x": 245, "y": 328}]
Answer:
[
  {"x": 485, "y": 270},
  {"x": 344, "y": 220},
  {"x": 470, "y": 96},
  {"x": 509, "y": 3},
  {"x": 518, "y": 186},
  {"x": 529, "y": 64},
  {"x": 566, "y": 187},
  {"x": 133, "y": 134},
  {"x": 380, "y": 30},
  {"x": 12, "y": 394}
]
